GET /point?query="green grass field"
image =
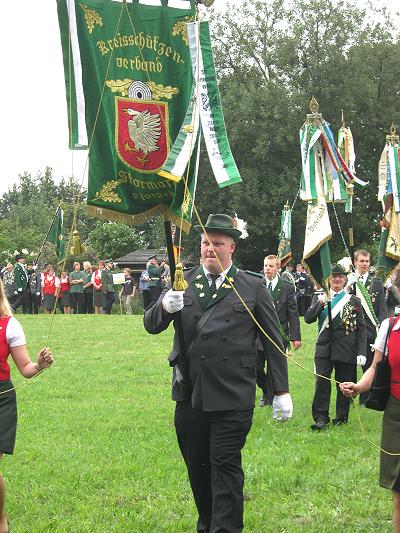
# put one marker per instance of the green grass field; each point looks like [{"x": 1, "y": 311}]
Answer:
[{"x": 96, "y": 449}]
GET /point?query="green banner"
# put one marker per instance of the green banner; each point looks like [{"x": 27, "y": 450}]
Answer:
[
  {"x": 128, "y": 81},
  {"x": 285, "y": 235},
  {"x": 56, "y": 234}
]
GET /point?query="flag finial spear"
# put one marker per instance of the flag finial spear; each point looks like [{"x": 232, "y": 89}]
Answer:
[
  {"x": 314, "y": 105},
  {"x": 314, "y": 116},
  {"x": 393, "y": 137},
  {"x": 343, "y": 122}
]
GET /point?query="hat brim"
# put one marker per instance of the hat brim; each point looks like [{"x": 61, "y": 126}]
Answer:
[{"x": 231, "y": 232}]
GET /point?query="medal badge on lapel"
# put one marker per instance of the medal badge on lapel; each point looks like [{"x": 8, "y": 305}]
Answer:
[{"x": 141, "y": 133}]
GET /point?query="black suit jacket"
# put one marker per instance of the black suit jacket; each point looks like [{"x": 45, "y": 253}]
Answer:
[
  {"x": 220, "y": 342},
  {"x": 377, "y": 293},
  {"x": 284, "y": 298},
  {"x": 345, "y": 346}
]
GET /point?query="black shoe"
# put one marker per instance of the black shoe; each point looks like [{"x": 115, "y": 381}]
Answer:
[
  {"x": 339, "y": 421},
  {"x": 319, "y": 425},
  {"x": 264, "y": 401}
]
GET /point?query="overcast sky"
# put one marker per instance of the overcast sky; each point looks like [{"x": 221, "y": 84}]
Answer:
[{"x": 34, "y": 132}]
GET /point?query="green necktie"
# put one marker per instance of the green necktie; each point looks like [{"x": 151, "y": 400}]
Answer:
[
  {"x": 270, "y": 286},
  {"x": 213, "y": 286}
]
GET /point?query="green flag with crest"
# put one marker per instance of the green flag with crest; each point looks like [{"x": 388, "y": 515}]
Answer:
[{"x": 129, "y": 83}]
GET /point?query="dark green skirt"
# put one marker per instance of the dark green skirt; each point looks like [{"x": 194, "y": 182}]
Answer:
[
  {"x": 8, "y": 417},
  {"x": 390, "y": 465}
]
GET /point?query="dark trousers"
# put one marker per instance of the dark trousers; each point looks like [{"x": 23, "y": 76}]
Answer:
[
  {"x": 370, "y": 357},
  {"x": 77, "y": 302},
  {"x": 87, "y": 308},
  {"x": 211, "y": 444},
  {"x": 33, "y": 303},
  {"x": 154, "y": 295},
  {"x": 107, "y": 300},
  {"x": 22, "y": 299},
  {"x": 146, "y": 299},
  {"x": 322, "y": 396},
  {"x": 264, "y": 380}
]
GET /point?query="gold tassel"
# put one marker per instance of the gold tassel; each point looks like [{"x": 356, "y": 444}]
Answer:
[
  {"x": 77, "y": 247},
  {"x": 180, "y": 284}
]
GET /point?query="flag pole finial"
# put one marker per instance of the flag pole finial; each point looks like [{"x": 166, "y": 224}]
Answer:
[
  {"x": 343, "y": 122},
  {"x": 393, "y": 137},
  {"x": 314, "y": 117},
  {"x": 314, "y": 105}
]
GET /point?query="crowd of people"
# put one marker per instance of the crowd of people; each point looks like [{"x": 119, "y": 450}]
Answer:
[{"x": 87, "y": 290}]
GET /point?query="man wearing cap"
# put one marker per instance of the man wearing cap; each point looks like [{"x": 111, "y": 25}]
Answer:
[
  {"x": 107, "y": 282},
  {"x": 284, "y": 297},
  {"x": 155, "y": 284},
  {"x": 213, "y": 421},
  {"x": 371, "y": 292},
  {"x": 341, "y": 345},
  {"x": 21, "y": 283},
  {"x": 34, "y": 288}
]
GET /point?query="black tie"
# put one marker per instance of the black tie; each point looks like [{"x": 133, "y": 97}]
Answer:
[{"x": 213, "y": 286}]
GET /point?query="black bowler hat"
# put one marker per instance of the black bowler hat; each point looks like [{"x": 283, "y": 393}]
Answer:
[
  {"x": 221, "y": 224},
  {"x": 338, "y": 269}
]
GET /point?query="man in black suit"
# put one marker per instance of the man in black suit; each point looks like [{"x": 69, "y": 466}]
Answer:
[
  {"x": 284, "y": 297},
  {"x": 219, "y": 337},
  {"x": 371, "y": 292},
  {"x": 21, "y": 282},
  {"x": 305, "y": 289},
  {"x": 341, "y": 345}
]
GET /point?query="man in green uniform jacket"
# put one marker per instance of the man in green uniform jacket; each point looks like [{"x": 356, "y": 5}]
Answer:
[
  {"x": 155, "y": 284},
  {"x": 108, "y": 296}
]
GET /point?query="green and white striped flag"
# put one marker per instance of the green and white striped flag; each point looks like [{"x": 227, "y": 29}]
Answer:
[
  {"x": 209, "y": 100},
  {"x": 316, "y": 248},
  {"x": 284, "y": 249},
  {"x": 310, "y": 184}
]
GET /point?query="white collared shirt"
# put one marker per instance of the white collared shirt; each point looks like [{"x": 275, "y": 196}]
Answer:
[
  {"x": 362, "y": 277},
  {"x": 273, "y": 282},
  {"x": 379, "y": 343},
  {"x": 221, "y": 278}
]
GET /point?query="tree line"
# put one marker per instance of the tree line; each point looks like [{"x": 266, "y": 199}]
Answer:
[{"x": 272, "y": 56}]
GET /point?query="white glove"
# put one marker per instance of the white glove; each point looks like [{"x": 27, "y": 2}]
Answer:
[
  {"x": 361, "y": 360},
  {"x": 20, "y": 289},
  {"x": 173, "y": 301},
  {"x": 351, "y": 279},
  {"x": 323, "y": 298},
  {"x": 282, "y": 407},
  {"x": 388, "y": 283}
]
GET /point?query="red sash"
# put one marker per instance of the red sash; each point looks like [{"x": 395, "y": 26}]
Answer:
[
  {"x": 394, "y": 360},
  {"x": 4, "y": 349}
]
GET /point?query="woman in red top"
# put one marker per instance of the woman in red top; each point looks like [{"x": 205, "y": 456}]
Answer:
[
  {"x": 65, "y": 286},
  {"x": 12, "y": 341},
  {"x": 97, "y": 288},
  {"x": 50, "y": 285},
  {"x": 390, "y": 442}
]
